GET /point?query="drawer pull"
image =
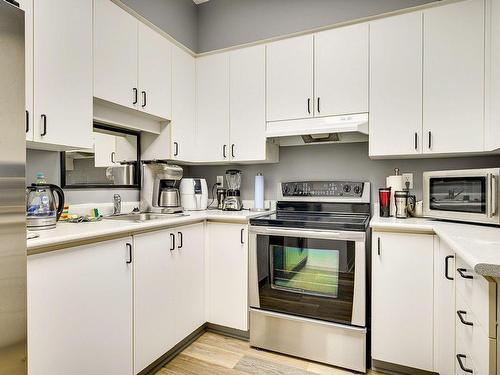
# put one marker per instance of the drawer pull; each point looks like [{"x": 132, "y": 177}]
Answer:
[
  {"x": 461, "y": 314},
  {"x": 461, "y": 364},
  {"x": 461, "y": 272}
]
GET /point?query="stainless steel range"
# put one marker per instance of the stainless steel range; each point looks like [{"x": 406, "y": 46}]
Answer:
[{"x": 308, "y": 273}]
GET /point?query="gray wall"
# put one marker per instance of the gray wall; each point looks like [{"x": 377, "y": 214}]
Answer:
[
  {"x": 49, "y": 163},
  {"x": 224, "y": 23},
  {"x": 340, "y": 162},
  {"x": 178, "y": 18}
]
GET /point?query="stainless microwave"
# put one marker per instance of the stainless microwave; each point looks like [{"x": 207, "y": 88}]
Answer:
[{"x": 469, "y": 195}]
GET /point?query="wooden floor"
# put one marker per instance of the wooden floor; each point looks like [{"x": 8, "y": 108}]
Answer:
[{"x": 213, "y": 354}]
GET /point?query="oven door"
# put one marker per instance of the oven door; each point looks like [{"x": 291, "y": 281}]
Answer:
[
  {"x": 309, "y": 273},
  {"x": 466, "y": 195}
]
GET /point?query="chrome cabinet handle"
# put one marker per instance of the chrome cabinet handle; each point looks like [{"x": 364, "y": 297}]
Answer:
[
  {"x": 144, "y": 99},
  {"x": 44, "y": 131},
  {"x": 242, "y": 240},
  {"x": 378, "y": 245},
  {"x": 318, "y": 106},
  {"x": 27, "y": 121},
  {"x": 113, "y": 154},
  {"x": 461, "y": 314},
  {"x": 129, "y": 249},
  {"x": 172, "y": 242},
  {"x": 309, "y": 105},
  {"x": 232, "y": 150},
  {"x": 136, "y": 93},
  {"x": 430, "y": 139},
  {"x": 224, "y": 151},
  {"x": 416, "y": 141},
  {"x": 462, "y": 271},
  {"x": 447, "y": 266},
  {"x": 461, "y": 364},
  {"x": 176, "y": 149}
]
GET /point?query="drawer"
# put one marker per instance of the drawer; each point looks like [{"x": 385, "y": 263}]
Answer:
[
  {"x": 478, "y": 295},
  {"x": 472, "y": 341}
]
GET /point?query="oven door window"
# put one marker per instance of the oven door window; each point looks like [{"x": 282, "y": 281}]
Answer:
[
  {"x": 312, "y": 278},
  {"x": 305, "y": 270},
  {"x": 465, "y": 194}
]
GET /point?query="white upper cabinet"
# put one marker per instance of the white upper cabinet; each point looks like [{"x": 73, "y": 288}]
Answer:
[
  {"x": 248, "y": 104},
  {"x": 290, "y": 79},
  {"x": 115, "y": 54},
  {"x": 212, "y": 107},
  {"x": 183, "y": 105},
  {"x": 396, "y": 85},
  {"x": 453, "y": 111},
  {"x": 27, "y": 6},
  {"x": 63, "y": 73},
  {"x": 341, "y": 70},
  {"x": 492, "y": 118},
  {"x": 155, "y": 73},
  {"x": 402, "y": 299}
]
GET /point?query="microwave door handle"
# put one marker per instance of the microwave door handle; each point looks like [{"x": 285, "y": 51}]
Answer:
[{"x": 492, "y": 183}]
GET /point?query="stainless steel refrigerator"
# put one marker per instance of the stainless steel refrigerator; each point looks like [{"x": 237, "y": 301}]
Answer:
[{"x": 12, "y": 192}]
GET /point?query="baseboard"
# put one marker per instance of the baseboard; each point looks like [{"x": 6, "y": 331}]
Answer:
[
  {"x": 172, "y": 353},
  {"x": 230, "y": 332},
  {"x": 393, "y": 369}
]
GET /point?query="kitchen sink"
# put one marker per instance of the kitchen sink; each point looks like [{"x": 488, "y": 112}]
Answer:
[{"x": 141, "y": 217}]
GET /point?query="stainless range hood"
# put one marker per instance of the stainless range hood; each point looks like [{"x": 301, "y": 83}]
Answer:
[{"x": 330, "y": 129}]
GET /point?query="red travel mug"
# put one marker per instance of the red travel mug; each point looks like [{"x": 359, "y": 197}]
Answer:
[{"x": 384, "y": 197}]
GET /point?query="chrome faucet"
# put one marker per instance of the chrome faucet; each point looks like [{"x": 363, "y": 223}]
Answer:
[{"x": 117, "y": 204}]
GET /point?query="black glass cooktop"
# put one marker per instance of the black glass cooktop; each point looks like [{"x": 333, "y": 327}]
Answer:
[{"x": 314, "y": 220}]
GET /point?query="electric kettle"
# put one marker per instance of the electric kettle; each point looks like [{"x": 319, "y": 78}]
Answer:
[{"x": 41, "y": 209}]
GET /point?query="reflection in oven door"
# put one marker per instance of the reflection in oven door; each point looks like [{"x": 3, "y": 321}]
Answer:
[{"x": 306, "y": 277}]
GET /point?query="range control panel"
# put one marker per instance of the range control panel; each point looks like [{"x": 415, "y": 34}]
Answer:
[{"x": 322, "y": 189}]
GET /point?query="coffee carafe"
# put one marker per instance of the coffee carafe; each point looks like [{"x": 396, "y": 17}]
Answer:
[
  {"x": 232, "y": 202},
  {"x": 43, "y": 210}
]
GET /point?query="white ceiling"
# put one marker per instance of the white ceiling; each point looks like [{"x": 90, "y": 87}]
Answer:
[{"x": 200, "y": 1}]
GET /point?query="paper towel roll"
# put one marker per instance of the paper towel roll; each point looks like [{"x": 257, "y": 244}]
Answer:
[
  {"x": 259, "y": 192},
  {"x": 396, "y": 184}
]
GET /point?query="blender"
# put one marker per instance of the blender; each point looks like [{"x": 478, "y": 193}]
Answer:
[{"x": 232, "y": 202}]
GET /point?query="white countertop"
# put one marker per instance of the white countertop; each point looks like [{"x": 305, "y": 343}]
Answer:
[
  {"x": 71, "y": 233},
  {"x": 477, "y": 245}
]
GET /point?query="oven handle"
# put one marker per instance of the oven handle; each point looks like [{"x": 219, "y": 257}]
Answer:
[
  {"x": 493, "y": 191},
  {"x": 323, "y": 234}
]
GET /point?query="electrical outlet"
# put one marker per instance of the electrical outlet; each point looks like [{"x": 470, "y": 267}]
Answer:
[
  {"x": 220, "y": 181},
  {"x": 408, "y": 177}
]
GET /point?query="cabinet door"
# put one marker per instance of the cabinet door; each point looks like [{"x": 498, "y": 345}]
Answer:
[
  {"x": 290, "y": 79},
  {"x": 155, "y": 302},
  {"x": 190, "y": 278},
  {"x": 80, "y": 310},
  {"x": 63, "y": 72},
  {"x": 248, "y": 104},
  {"x": 396, "y": 85},
  {"x": 454, "y": 78},
  {"x": 492, "y": 118},
  {"x": 228, "y": 275},
  {"x": 155, "y": 73},
  {"x": 104, "y": 150},
  {"x": 341, "y": 71},
  {"x": 212, "y": 107},
  {"x": 444, "y": 309},
  {"x": 183, "y": 105},
  {"x": 27, "y": 6},
  {"x": 402, "y": 299},
  {"x": 115, "y": 54}
]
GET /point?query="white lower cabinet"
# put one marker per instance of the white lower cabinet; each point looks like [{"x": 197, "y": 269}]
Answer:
[
  {"x": 168, "y": 290},
  {"x": 402, "y": 299},
  {"x": 80, "y": 310},
  {"x": 444, "y": 308},
  {"x": 228, "y": 275}
]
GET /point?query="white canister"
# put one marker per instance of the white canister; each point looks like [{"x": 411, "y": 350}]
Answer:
[{"x": 395, "y": 182}]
